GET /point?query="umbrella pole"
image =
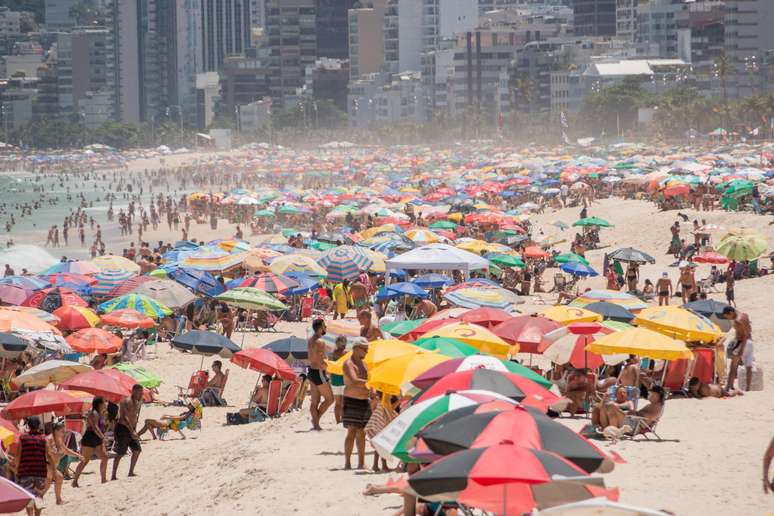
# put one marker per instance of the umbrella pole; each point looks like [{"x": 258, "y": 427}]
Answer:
[{"x": 201, "y": 364}]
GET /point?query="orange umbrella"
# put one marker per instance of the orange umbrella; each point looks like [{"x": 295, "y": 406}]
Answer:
[
  {"x": 12, "y": 320},
  {"x": 534, "y": 251},
  {"x": 43, "y": 400},
  {"x": 98, "y": 383},
  {"x": 73, "y": 317},
  {"x": 127, "y": 318},
  {"x": 94, "y": 340}
]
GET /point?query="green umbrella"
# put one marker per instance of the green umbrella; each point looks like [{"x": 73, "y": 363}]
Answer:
[
  {"x": 449, "y": 347},
  {"x": 321, "y": 246},
  {"x": 289, "y": 210},
  {"x": 144, "y": 377},
  {"x": 616, "y": 325},
  {"x": 400, "y": 328},
  {"x": 570, "y": 257},
  {"x": 743, "y": 246},
  {"x": 593, "y": 221},
  {"x": 264, "y": 213},
  {"x": 443, "y": 224},
  {"x": 251, "y": 298},
  {"x": 506, "y": 260}
]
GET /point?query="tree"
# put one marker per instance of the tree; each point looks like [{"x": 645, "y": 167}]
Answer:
[
  {"x": 614, "y": 108},
  {"x": 723, "y": 66},
  {"x": 681, "y": 109}
]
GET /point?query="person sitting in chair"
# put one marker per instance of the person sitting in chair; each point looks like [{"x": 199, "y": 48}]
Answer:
[
  {"x": 260, "y": 398},
  {"x": 212, "y": 396},
  {"x": 175, "y": 423},
  {"x": 650, "y": 414}
]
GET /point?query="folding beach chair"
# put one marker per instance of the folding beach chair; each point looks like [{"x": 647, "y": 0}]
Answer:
[
  {"x": 643, "y": 427},
  {"x": 704, "y": 365},
  {"x": 307, "y": 307},
  {"x": 676, "y": 375},
  {"x": 290, "y": 397},
  {"x": 273, "y": 399},
  {"x": 266, "y": 321},
  {"x": 195, "y": 387}
]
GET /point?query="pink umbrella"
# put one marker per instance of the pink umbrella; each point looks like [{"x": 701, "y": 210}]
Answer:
[{"x": 13, "y": 498}]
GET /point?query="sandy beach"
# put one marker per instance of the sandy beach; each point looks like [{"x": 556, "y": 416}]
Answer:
[{"x": 709, "y": 463}]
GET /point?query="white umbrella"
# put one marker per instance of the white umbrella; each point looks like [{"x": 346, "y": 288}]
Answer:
[
  {"x": 598, "y": 507},
  {"x": 51, "y": 371}
]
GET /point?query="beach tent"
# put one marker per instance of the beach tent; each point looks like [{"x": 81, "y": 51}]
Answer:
[{"x": 438, "y": 257}]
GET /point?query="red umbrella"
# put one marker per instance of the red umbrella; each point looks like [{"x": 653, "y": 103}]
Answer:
[
  {"x": 98, "y": 383},
  {"x": 510, "y": 385},
  {"x": 94, "y": 340},
  {"x": 486, "y": 317},
  {"x": 127, "y": 318},
  {"x": 41, "y": 297},
  {"x": 568, "y": 345},
  {"x": 679, "y": 190},
  {"x": 41, "y": 401},
  {"x": 710, "y": 257},
  {"x": 525, "y": 330},
  {"x": 129, "y": 285},
  {"x": 264, "y": 361},
  {"x": 13, "y": 498},
  {"x": 75, "y": 318},
  {"x": 69, "y": 277},
  {"x": 128, "y": 382}
]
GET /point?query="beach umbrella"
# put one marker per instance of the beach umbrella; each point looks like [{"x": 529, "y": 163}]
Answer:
[
  {"x": 466, "y": 363},
  {"x": 212, "y": 259},
  {"x": 113, "y": 262},
  {"x": 707, "y": 307},
  {"x": 567, "y": 345},
  {"x": 423, "y": 236},
  {"x": 742, "y": 246},
  {"x": 570, "y": 257},
  {"x": 107, "y": 280},
  {"x": 75, "y": 318},
  {"x": 678, "y": 323},
  {"x": 393, "y": 376},
  {"x": 74, "y": 267},
  {"x": 710, "y": 257},
  {"x": 474, "y": 335},
  {"x": 8, "y": 435},
  {"x": 406, "y": 288},
  {"x": 624, "y": 299},
  {"x": 94, "y": 340},
  {"x": 305, "y": 283},
  {"x": 49, "y": 299},
  {"x": 290, "y": 347},
  {"x": 264, "y": 361},
  {"x": 139, "y": 374},
  {"x": 443, "y": 224},
  {"x": 578, "y": 269},
  {"x": 397, "y": 438},
  {"x": 198, "y": 281},
  {"x": 11, "y": 346},
  {"x": 43, "y": 400},
  {"x": 527, "y": 331},
  {"x": 400, "y": 328},
  {"x": 13, "y": 320},
  {"x": 641, "y": 342},
  {"x": 567, "y": 314},
  {"x": 451, "y": 348},
  {"x": 345, "y": 262},
  {"x": 486, "y": 317},
  {"x": 205, "y": 343},
  {"x": 630, "y": 254},
  {"x": 231, "y": 245},
  {"x": 48, "y": 317},
  {"x": 297, "y": 263},
  {"x": 478, "y": 297},
  {"x": 432, "y": 280},
  {"x": 250, "y": 298},
  {"x": 78, "y": 282},
  {"x": 127, "y": 318},
  {"x": 130, "y": 285},
  {"x": 99, "y": 383},
  {"x": 138, "y": 302},
  {"x": 501, "y": 464},
  {"x": 511, "y": 385},
  {"x": 592, "y": 221},
  {"x": 611, "y": 311},
  {"x": 597, "y": 506},
  {"x": 13, "y": 294},
  {"x": 167, "y": 292},
  {"x": 525, "y": 426},
  {"x": 50, "y": 371},
  {"x": 270, "y": 282},
  {"x": 534, "y": 252},
  {"x": 30, "y": 283},
  {"x": 379, "y": 351}
]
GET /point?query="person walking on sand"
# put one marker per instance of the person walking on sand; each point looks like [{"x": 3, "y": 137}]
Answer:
[
  {"x": 356, "y": 408},
  {"x": 664, "y": 289},
  {"x": 768, "y": 456},
  {"x": 93, "y": 440},
  {"x": 31, "y": 464},
  {"x": 126, "y": 430},
  {"x": 741, "y": 351},
  {"x": 319, "y": 384}
]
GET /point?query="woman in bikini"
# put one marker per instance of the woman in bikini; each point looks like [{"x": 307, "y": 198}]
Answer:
[
  {"x": 60, "y": 455},
  {"x": 93, "y": 440}
]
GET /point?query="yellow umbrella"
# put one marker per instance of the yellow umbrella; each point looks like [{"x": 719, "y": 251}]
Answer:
[
  {"x": 378, "y": 230},
  {"x": 473, "y": 245},
  {"x": 422, "y": 236},
  {"x": 393, "y": 376},
  {"x": 476, "y": 336},
  {"x": 7, "y": 437},
  {"x": 275, "y": 239},
  {"x": 297, "y": 263},
  {"x": 678, "y": 323},
  {"x": 565, "y": 315},
  {"x": 455, "y": 217},
  {"x": 379, "y": 266},
  {"x": 378, "y": 352},
  {"x": 111, "y": 261},
  {"x": 641, "y": 342}
]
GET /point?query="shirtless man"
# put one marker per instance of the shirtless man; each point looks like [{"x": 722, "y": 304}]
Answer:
[
  {"x": 664, "y": 289},
  {"x": 706, "y": 390},
  {"x": 356, "y": 410},
  {"x": 687, "y": 283},
  {"x": 126, "y": 430},
  {"x": 358, "y": 292},
  {"x": 367, "y": 330},
  {"x": 630, "y": 374},
  {"x": 320, "y": 386},
  {"x": 742, "y": 351},
  {"x": 424, "y": 309},
  {"x": 214, "y": 388}
]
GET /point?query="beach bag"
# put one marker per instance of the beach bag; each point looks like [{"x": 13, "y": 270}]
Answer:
[{"x": 235, "y": 418}]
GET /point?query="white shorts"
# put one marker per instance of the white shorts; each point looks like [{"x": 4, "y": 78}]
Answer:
[
  {"x": 338, "y": 390},
  {"x": 747, "y": 356}
]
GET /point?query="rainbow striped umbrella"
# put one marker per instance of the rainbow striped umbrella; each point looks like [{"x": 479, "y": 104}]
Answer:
[
  {"x": 107, "y": 280},
  {"x": 212, "y": 259},
  {"x": 251, "y": 298},
  {"x": 230, "y": 246},
  {"x": 344, "y": 262},
  {"x": 270, "y": 282},
  {"x": 141, "y": 303},
  {"x": 76, "y": 267}
]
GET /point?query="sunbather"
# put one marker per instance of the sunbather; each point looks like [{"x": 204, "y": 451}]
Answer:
[
  {"x": 651, "y": 413},
  {"x": 175, "y": 423},
  {"x": 260, "y": 398},
  {"x": 607, "y": 411},
  {"x": 697, "y": 389}
]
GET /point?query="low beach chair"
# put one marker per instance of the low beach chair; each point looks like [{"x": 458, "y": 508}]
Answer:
[
  {"x": 643, "y": 427},
  {"x": 213, "y": 396},
  {"x": 192, "y": 422},
  {"x": 266, "y": 321},
  {"x": 289, "y": 397},
  {"x": 676, "y": 377},
  {"x": 273, "y": 399},
  {"x": 195, "y": 386}
]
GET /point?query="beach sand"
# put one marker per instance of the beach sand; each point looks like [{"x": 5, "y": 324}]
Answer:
[{"x": 710, "y": 463}]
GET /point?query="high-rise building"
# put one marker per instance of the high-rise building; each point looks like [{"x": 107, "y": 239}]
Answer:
[
  {"x": 181, "y": 56},
  {"x": 93, "y": 74},
  {"x": 749, "y": 39},
  {"x": 10, "y": 22},
  {"x": 626, "y": 19},
  {"x": 594, "y": 17},
  {"x": 491, "y": 5},
  {"x": 291, "y": 29},
  {"x": 226, "y": 30},
  {"x": 331, "y": 28},
  {"x": 59, "y": 15},
  {"x": 366, "y": 39}
]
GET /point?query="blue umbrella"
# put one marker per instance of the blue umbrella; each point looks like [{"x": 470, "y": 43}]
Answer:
[
  {"x": 578, "y": 269},
  {"x": 305, "y": 283},
  {"x": 611, "y": 311},
  {"x": 25, "y": 282},
  {"x": 205, "y": 343},
  {"x": 199, "y": 281},
  {"x": 406, "y": 288},
  {"x": 290, "y": 347},
  {"x": 433, "y": 280}
]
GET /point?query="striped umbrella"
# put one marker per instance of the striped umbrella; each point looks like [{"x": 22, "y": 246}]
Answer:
[
  {"x": 107, "y": 280},
  {"x": 75, "y": 318},
  {"x": 111, "y": 261},
  {"x": 231, "y": 245},
  {"x": 25, "y": 282},
  {"x": 166, "y": 292},
  {"x": 477, "y": 297},
  {"x": 345, "y": 262},
  {"x": 143, "y": 304},
  {"x": 49, "y": 299},
  {"x": 623, "y": 299},
  {"x": 270, "y": 282},
  {"x": 37, "y": 312},
  {"x": 130, "y": 285},
  {"x": 76, "y": 267},
  {"x": 16, "y": 320},
  {"x": 212, "y": 260},
  {"x": 251, "y": 299},
  {"x": 60, "y": 279},
  {"x": 297, "y": 263}
]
